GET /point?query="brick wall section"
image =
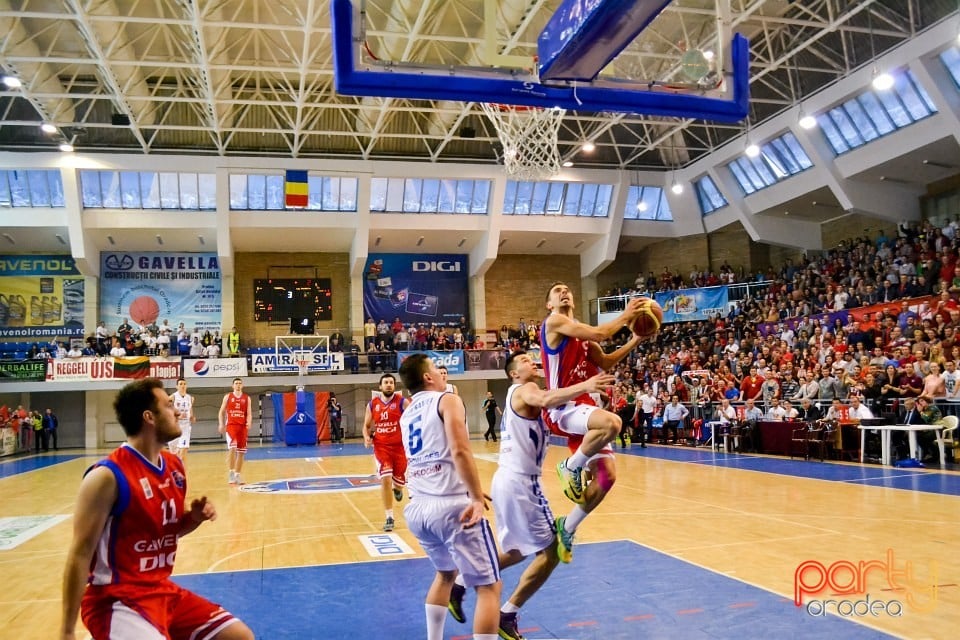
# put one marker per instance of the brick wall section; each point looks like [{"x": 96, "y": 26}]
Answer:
[
  {"x": 252, "y": 266},
  {"x": 853, "y": 226},
  {"x": 516, "y": 286},
  {"x": 780, "y": 255},
  {"x": 731, "y": 244}
]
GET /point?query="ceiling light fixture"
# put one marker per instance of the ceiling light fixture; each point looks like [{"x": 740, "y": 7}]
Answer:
[
  {"x": 881, "y": 81},
  {"x": 677, "y": 188},
  {"x": 12, "y": 82},
  {"x": 110, "y": 240},
  {"x": 752, "y": 150},
  {"x": 60, "y": 238},
  {"x": 66, "y": 147},
  {"x": 588, "y": 147},
  {"x": 568, "y": 163},
  {"x": 542, "y": 242},
  {"x": 805, "y": 120},
  {"x": 420, "y": 241},
  {"x": 46, "y": 127},
  {"x": 708, "y": 55}
]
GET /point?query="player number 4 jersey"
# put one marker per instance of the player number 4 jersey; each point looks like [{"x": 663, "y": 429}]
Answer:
[{"x": 523, "y": 441}]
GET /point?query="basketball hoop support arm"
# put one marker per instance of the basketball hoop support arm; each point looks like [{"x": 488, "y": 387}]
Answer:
[{"x": 395, "y": 81}]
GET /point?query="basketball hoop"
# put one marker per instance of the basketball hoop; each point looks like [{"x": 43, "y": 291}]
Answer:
[
  {"x": 303, "y": 365},
  {"x": 529, "y": 139}
]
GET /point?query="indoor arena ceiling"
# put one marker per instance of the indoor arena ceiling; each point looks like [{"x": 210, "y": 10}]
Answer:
[{"x": 254, "y": 77}]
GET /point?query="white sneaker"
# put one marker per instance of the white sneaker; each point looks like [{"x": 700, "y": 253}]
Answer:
[
  {"x": 232, "y": 477},
  {"x": 236, "y": 478}
]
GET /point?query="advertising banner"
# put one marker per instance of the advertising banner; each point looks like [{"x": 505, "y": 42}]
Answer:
[
  {"x": 860, "y": 314},
  {"x": 688, "y": 305},
  {"x": 40, "y": 296},
  {"x": 486, "y": 359},
  {"x": 23, "y": 371},
  {"x": 452, "y": 360},
  {"x": 215, "y": 368},
  {"x": 90, "y": 369},
  {"x": 417, "y": 288},
  {"x": 287, "y": 363},
  {"x": 148, "y": 288}
]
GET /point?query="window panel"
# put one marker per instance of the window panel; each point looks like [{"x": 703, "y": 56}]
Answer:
[
  {"x": 89, "y": 189},
  {"x": 411, "y": 195},
  {"x": 19, "y": 188},
  {"x": 394, "y": 194},
  {"x": 276, "y": 193},
  {"x": 951, "y": 59},
  {"x": 378, "y": 194},
  {"x": 39, "y": 189},
  {"x": 871, "y": 105},
  {"x": 860, "y": 120},
  {"x": 315, "y": 193},
  {"x": 524, "y": 195},
  {"x": 238, "y": 192},
  {"x": 130, "y": 190},
  {"x": 782, "y": 158},
  {"x": 663, "y": 205},
  {"x": 895, "y": 108},
  {"x": 604, "y": 194},
  {"x": 796, "y": 149},
  {"x": 55, "y": 180},
  {"x": 330, "y": 195},
  {"x": 510, "y": 198},
  {"x": 847, "y": 129},
  {"x": 207, "y": 191},
  {"x": 189, "y": 191},
  {"x": 481, "y": 197},
  {"x": 555, "y": 198},
  {"x": 150, "y": 190},
  {"x": 348, "y": 194},
  {"x": 448, "y": 195},
  {"x": 169, "y": 191},
  {"x": 571, "y": 201},
  {"x": 5, "y": 189},
  {"x": 708, "y": 195},
  {"x": 430, "y": 196},
  {"x": 588, "y": 199},
  {"x": 833, "y": 136},
  {"x": 907, "y": 90},
  {"x": 540, "y": 192},
  {"x": 741, "y": 177},
  {"x": 257, "y": 192},
  {"x": 110, "y": 189},
  {"x": 464, "y": 196}
]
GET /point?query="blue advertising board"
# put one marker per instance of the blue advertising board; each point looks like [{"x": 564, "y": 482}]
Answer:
[
  {"x": 688, "y": 305},
  {"x": 148, "y": 288},
  {"x": 417, "y": 288},
  {"x": 452, "y": 360}
]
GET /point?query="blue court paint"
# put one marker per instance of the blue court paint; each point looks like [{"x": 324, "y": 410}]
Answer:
[
  {"x": 22, "y": 465},
  {"x": 307, "y": 451},
  {"x": 612, "y": 590}
]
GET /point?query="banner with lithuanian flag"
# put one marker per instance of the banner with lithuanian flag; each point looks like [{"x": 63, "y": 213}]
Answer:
[
  {"x": 131, "y": 368},
  {"x": 296, "y": 190}
]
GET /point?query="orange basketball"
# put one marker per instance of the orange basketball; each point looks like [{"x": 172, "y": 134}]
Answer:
[
  {"x": 648, "y": 322},
  {"x": 144, "y": 310}
]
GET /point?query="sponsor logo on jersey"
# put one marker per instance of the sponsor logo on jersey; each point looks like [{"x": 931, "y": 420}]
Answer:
[{"x": 147, "y": 490}]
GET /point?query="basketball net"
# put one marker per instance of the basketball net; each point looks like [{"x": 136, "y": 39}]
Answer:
[
  {"x": 303, "y": 365},
  {"x": 529, "y": 139}
]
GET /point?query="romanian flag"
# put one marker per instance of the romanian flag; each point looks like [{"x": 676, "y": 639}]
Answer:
[
  {"x": 131, "y": 368},
  {"x": 296, "y": 190}
]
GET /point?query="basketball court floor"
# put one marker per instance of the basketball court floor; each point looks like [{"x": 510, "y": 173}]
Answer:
[{"x": 690, "y": 544}]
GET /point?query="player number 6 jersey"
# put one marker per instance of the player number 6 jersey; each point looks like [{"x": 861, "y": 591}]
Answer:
[{"x": 430, "y": 468}]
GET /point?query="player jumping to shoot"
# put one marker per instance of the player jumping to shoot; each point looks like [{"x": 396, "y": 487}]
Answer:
[{"x": 571, "y": 354}]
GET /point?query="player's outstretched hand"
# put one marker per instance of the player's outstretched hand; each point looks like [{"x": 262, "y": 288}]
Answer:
[
  {"x": 473, "y": 513},
  {"x": 633, "y": 308},
  {"x": 600, "y": 382},
  {"x": 201, "y": 510},
  {"x": 367, "y": 442}
]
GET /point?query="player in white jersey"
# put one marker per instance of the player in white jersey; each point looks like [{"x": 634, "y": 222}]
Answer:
[
  {"x": 446, "y": 506},
  {"x": 449, "y": 388},
  {"x": 525, "y": 523},
  {"x": 183, "y": 405}
]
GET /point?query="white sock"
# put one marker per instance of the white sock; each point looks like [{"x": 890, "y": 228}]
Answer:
[
  {"x": 577, "y": 460},
  {"x": 436, "y": 615},
  {"x": 573, "y": 520},
  {"x": 389, "y": 513},
  {"x": 509, "y": 607},
  {"x": 459, "y": 581}
]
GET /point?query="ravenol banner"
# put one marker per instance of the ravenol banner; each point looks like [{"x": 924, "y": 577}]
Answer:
[
  {"x": 40, "y": 296},
  {"x": 687, "y": 305},
  {"x": 148, "y": 288},
  {"x": 417, "y": 288},
  {"x": 452, "y": 360}
]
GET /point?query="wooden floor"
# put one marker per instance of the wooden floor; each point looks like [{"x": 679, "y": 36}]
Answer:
[{"x": 754, "y": 519}]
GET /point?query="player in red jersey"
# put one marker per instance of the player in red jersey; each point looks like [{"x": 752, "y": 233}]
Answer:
[
  {"x": 235, "y": 418},
  {"x": 381, "y": 428},
  {"x": 128, "y": 520},
  {"x": 571, "y": 354}
]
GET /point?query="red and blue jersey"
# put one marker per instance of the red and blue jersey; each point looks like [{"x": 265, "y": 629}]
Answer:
[
  {"x": 139, "y": 540},
  {"x": 567, "y": 364}
]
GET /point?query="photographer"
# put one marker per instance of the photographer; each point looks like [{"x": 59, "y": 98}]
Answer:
[{"x": 336, "y": 416}]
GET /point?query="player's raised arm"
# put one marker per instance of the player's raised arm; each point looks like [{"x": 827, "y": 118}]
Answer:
[
  {"x": 607, "y": 361},
  {"x": 533, "y": 396}
]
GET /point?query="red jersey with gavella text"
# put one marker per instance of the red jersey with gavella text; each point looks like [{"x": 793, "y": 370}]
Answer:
[
  {"x": 386, "y": 419},
  {"x": 567, "y": 364},
  {"x": 237, "y": 407},
  {"x": 139, "y": 540}
]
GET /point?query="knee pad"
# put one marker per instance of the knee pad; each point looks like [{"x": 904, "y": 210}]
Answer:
[{"x": 604, "y": 479}]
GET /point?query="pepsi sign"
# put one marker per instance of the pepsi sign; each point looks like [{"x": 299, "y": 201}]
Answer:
[{"x": 215, "y": 368}]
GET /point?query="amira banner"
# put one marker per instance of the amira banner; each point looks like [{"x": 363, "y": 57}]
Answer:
[
  {"x": 689, "y": 305},
  {"x": 147, "y": 288}
]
